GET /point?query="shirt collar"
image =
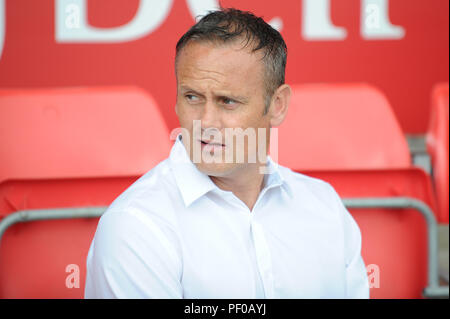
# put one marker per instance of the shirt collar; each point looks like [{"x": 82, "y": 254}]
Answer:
[
  {"x": 193, "y": 184},
  {"x": 275, "y": 177}
]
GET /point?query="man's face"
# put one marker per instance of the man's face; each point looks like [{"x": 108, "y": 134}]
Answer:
[{"x": 223, "y": 87}]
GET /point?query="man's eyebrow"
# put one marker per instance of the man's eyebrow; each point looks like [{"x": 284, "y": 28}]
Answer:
[
  {"x": 238, "y": 98},
  {"x": 243, "y": 99},
  {"x": 185, "y": 88},
  {"x": 231, "y": 96}
]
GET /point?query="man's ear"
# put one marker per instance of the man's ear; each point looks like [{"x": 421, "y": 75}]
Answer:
[{"x": 279, "y": 105}]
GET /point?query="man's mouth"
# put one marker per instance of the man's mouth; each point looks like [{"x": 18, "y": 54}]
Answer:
[
  {"x": 212, "y": 143},
  {"x": 211, "y": 146}
]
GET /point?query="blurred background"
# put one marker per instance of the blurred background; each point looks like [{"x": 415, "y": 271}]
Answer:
[{"x": 87, "y": 96}]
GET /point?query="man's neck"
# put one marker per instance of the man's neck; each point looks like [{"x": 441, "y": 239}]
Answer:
[{"x": 246, "y": 184}]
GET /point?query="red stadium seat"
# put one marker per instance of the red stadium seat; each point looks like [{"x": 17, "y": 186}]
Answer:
[
  {"x": 437, "y": 145},
  {"x": 34, "y": 256},
  {"x": 80, "y": 132},
  {"x": 65, "y": 148},
  {"x": 341, "y": 126},
  {"x": 395, "y": 240}
]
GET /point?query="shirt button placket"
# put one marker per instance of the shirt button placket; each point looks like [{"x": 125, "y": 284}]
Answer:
[{"x": 263, "y": 257}]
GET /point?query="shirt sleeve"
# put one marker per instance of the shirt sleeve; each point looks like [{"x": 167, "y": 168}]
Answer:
[
  {"x": 357, "y": 283},
  {"x": 133, "y": 255}
]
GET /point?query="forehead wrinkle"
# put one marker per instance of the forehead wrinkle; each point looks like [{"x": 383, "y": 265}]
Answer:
[
  {"x": 202, "y": 77},
  {"x": 198, "y": 60},
  {"x": 205, "y": 75}
]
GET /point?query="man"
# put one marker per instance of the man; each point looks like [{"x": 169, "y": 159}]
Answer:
[{"x": 210, "y": 223}]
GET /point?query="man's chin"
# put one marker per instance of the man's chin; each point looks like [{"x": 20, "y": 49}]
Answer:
[{"x": 216, "y": 169}]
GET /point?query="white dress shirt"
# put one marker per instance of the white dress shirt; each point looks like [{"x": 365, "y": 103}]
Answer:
[{"x": 175, "y": 234}]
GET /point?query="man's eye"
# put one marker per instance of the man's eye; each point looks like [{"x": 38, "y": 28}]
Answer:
[
  {"x": 191, "y": 97},
  {"x": 228, "y": 101}
]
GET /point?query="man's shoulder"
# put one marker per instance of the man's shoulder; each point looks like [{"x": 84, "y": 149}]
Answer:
[
  {"x": 150, "y": 195},
  {"x": 296, "y": 179},
  {"x": 317, "y": 196},
  {"x": 139, "y": 220},
  {"x": 307, "y": 187}
]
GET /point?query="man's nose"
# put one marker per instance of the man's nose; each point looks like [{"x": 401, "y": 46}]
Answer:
[{"x": 211, "y": 116}]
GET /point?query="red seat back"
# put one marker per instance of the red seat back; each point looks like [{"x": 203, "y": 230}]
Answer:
[
  {"x": 437, "y": 145},
  {"x": 393, "y": 239},
  {"x": 34, "y": 255},
  {"x": 341, "y": 126},
  {"x": 80, "y": 132}
]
